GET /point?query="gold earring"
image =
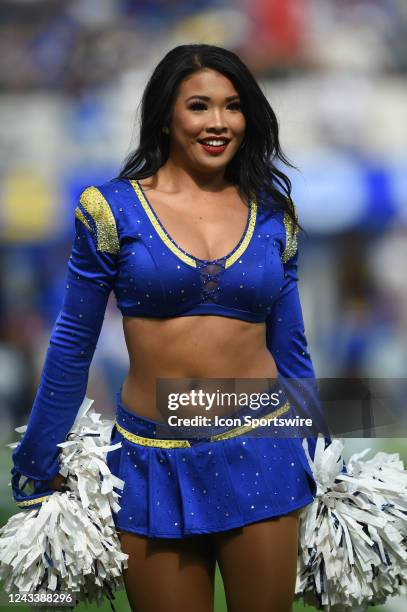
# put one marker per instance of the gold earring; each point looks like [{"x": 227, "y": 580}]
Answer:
[{"x": 166, "y": 130}]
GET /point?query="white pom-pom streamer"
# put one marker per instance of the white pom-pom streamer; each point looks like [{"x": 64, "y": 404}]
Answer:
[
  {"x": 353, "y": 536},
  {"x": 70, "y": 543},
  {"x": 352, "y": 545}
]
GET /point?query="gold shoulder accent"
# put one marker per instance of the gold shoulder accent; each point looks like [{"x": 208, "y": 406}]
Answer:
[
  {"x": 291, "y": 233},
  {"x": 99, "y": 210},
  {"x": 245, "y": 242},
  {"x": 79, "y": 215}
]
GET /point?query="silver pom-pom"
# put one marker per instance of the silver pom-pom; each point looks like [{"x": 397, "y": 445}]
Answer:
[
  {"x": 353, "y": 536},
  {"x": 70, "y": 543}
]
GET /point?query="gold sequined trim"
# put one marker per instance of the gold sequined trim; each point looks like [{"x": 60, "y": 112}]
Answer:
[
  {"x": 79, "y": 215},
  {"x": 173, "y": 247},
  {"x": 159, "y": 229},
  {"x": 32, "y": 502},
  {"x": 151, "y": 441},
  {"x": 250, "y": 229},
  {"x": 237, "y": 431},
  {"x": 231, "y": 433},
  {"x": 291, "y": 233},
  {"x": 98, "y": 208}
]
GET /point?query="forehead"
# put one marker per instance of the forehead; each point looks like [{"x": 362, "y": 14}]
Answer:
[{"x": 206, "y": 82}]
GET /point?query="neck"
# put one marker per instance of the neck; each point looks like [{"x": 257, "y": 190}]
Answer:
[{"x": 174, "y": 177}]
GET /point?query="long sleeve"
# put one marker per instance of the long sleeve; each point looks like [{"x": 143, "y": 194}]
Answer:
[
  {"x": 90, "y": 278},
  {"x": 286, "y": 341}
]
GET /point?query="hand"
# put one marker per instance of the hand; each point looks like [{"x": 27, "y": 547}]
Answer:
[{"x": 58, "y": 483}]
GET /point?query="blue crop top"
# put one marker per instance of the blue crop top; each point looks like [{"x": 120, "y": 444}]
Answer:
[
  {"x": 152, "y": 276},
  {"x": 121, "y": 245}
]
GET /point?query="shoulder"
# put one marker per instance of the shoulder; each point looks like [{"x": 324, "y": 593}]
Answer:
[
  {"x": 290, "y": 236},
  {"x": 107, "y": 195},
  {"x": 98, "y": 210},
  {"x": 282, "y": 225}
]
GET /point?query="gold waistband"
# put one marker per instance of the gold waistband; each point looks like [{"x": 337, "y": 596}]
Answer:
[{"x": 231, "y": 433}]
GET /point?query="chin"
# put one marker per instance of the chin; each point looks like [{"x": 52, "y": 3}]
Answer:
[{"x": 214, "y": 163}]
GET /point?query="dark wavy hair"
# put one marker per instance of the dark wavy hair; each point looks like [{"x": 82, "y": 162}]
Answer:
[{"x": 254, "y": 165}]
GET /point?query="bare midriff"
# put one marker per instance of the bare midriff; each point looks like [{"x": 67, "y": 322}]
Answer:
[{"x": 192, "y": 347}]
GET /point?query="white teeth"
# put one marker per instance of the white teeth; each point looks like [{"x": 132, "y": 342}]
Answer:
[{"x": 215, "y": 143}]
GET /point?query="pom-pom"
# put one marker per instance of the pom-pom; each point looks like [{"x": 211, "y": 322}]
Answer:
[
  {"x": 353, "y": 536},
  {"x": 70, "y": 543}
]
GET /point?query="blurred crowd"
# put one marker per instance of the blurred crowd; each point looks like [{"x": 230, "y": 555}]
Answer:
[
  {"x": 80, "y": 44},
  {"x": 71, "y": 75}
]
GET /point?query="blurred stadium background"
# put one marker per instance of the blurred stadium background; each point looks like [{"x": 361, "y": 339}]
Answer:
[{"x": 71, "y": 77}]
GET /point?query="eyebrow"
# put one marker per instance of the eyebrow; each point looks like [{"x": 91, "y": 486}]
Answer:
[{"x": 206, "y": 98}]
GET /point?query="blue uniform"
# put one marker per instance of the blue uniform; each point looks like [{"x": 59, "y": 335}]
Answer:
[{"x": 121, "y": 245}]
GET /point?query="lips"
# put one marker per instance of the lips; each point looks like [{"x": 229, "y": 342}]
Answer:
[{"x": 213, "y": 145}]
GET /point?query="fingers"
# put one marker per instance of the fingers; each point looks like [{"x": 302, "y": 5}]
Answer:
[{"x": 58, "y": 483}]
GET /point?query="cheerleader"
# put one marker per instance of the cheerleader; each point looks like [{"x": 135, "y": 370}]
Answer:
[{"x": 197, "y": 237}]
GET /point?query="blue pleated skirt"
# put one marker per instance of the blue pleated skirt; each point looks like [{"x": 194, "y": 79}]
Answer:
[{"x": 208, "y": 487}]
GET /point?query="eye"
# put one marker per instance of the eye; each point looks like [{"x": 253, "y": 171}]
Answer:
[
  {"x": 197, "y": 106},
  {"x": 235, "y": 106}
]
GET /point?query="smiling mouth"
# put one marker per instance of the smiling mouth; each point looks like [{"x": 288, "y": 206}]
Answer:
[
  {"x": 214, "y": 142},
  {"x": 214, "y": 146}
]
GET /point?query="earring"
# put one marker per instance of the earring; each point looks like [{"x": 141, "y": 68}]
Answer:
[{"x": 166, "y": 130}]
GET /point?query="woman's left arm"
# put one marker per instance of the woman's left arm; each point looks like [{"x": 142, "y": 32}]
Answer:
[{"x": 286, "y": 340}]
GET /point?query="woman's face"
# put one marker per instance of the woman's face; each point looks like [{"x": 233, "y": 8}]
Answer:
[{"x": 207, "y": 108}]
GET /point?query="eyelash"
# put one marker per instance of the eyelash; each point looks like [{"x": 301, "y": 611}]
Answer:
[{"x": 201, "y": 105}]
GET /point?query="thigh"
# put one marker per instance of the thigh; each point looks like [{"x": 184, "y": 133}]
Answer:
[
  {"x": 258, "y": 563},
  {"x": 167, "y": 574}
]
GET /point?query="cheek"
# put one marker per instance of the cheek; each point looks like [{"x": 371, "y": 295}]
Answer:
[
  {"x": 240, "y": 125},
  {"x": 188, "y": 126}
]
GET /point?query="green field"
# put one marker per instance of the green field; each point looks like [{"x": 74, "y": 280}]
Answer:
[{"x": 122, "y": 605}]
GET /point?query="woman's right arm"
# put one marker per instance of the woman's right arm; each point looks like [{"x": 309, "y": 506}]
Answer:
[{"x": 91, "y": 275}]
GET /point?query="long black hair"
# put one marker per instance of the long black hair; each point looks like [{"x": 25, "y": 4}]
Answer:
[{"x": 254, "y": 165}]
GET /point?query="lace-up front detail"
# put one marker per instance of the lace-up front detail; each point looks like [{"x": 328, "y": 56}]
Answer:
[{"x": 210, "y": 273}]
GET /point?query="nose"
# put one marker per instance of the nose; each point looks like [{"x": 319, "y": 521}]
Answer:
[{"x": 216, "y": 121}]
